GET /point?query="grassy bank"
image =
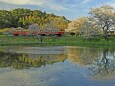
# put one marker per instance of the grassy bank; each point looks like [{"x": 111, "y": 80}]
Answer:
[{"x": 64, "y": 40}]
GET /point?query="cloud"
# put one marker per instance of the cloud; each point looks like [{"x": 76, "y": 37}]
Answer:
[
  {"x": 45, "y": 4},
  {"x": 24, "y": 2},
  {"x": 68, "y": 8},
  {"x": 16, "y": 2},
  {"x": 111, "y": 4},
  {"x": 86, "y": 1}
]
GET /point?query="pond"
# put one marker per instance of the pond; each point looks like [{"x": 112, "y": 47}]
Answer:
[{"x": 57, "y": 66}]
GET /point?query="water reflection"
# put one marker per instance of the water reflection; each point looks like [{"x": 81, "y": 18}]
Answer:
[
  {"x": 25, "y": 61},
  {"x": 105, "y": 66},
  {"x": 100, "y": 62},
  {"x": 84, "y": 56},
  {"x": 79, "y": 65}
]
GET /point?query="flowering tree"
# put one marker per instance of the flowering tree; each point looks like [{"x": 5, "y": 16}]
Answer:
[
  {"x": 76, "y": 25},
  {"x": 34, "y": 27},
  {"x": 82, "y": 25},
  {"x": 104, "y": 17}
]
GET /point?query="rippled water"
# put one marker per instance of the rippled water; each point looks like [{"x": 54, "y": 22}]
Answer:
[{"x": 74, "y": 66}]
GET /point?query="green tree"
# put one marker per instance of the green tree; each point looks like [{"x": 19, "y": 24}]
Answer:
[{"x": 5, "y": 19}]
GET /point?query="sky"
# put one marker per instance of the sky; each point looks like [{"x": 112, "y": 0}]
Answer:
[{"x": 71, "y": 9}]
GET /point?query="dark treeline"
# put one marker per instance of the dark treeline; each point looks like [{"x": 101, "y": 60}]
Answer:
[{"x": 21, "y": 17}]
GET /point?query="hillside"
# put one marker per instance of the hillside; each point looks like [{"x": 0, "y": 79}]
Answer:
[{"x": 21, "y": 17}]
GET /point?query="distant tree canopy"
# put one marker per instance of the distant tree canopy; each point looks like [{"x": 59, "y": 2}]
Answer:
[
  {"x": 104, "y": 17},
  {"x": 82, "y": 25},
  {"x": 101, "y": 20},
  {"x": 21, "y": 17}
]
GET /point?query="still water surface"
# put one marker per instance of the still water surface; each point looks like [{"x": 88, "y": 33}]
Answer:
[{"x": 74, "y": 66}]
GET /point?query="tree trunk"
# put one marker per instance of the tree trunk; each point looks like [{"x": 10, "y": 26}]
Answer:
[{"x": 105, "y": 33}]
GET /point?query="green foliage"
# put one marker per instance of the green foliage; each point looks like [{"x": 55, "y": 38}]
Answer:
[
  {"x": 5, "y": 18},
  {"x": 23, "y": 61},
  {"x": 21, "y": 17},
  {"x": 64, "y": 40}
]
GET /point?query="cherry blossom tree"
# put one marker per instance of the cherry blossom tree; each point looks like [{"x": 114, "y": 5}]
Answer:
[{"x": 104, "y": 17}]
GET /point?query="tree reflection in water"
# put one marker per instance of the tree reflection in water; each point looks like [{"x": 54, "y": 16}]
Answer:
[
  {"x": 100, "y": 62},
  {"x": 84, "y": 56},
  {"x": 25, "y": 61},
  {"x": 105, "y": 67}
]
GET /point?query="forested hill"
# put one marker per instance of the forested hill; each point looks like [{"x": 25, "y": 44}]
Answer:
[{"x": 21, "y": 17}]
